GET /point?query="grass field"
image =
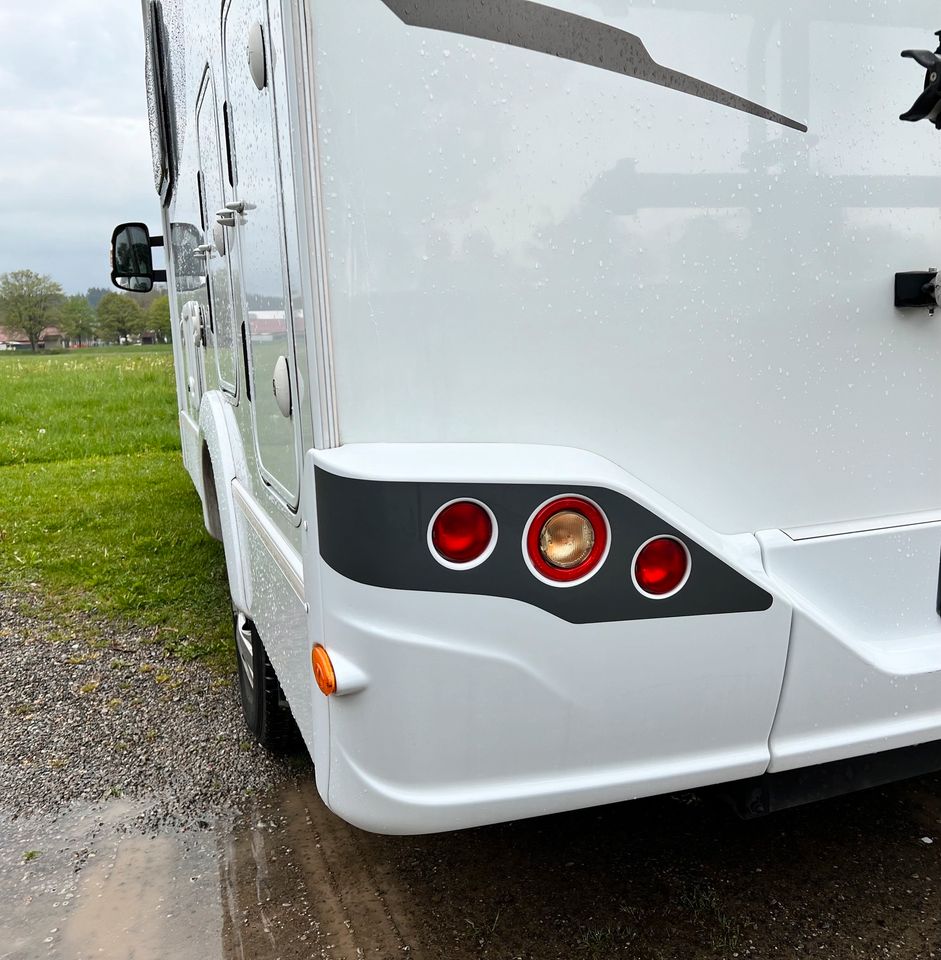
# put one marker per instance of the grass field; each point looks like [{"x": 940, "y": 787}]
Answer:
[{"x": 96, "y": 511}]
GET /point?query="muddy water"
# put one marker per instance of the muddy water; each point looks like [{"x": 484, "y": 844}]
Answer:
[
  {"x": 87, "y": 885},
  {"x": 858, "y": 877}
]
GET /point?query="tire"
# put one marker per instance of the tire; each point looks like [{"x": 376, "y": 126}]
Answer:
[{"x": 263, "y": 705}]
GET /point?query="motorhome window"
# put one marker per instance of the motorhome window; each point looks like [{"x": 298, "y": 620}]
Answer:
[
  {"x": 229, "y": 159},
  {"x": 157, "y": 71},
  {"x": 202, "y": 199},
  {"x": 248, "y": 369},
  {"x": 210, "y": 311}
]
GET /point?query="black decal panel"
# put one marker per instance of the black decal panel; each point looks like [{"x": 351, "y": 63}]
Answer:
[{"x": 375, "y": 532}]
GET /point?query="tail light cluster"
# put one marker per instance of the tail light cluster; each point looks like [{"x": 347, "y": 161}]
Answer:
[{"x": 566, "y": 541}]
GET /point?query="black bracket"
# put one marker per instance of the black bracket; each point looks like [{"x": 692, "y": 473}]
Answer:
[
  {"x": 160, "y": 276},
  {"x": 917, "y": 289},
  {"x": 928, "y": 105}
]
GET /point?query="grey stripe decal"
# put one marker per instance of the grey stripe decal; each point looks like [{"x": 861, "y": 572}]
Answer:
[{"x": 534, "y": 26}]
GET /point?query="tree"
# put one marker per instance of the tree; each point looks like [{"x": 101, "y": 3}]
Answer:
[
  {"x": 158, "y": 317},
  {"x": 144, "y": 300},
  {"x": 28, "y": 302},
  {"x": 77, "y": 319},
  {"x": 95, "y": 294},
  {"x": 118, "y": 317}
]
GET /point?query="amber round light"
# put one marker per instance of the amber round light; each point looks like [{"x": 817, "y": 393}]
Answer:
[
  {"x": 462, "y": 532},
  {"x": 566, "y": 540},
  {"x": 323, "y": 671},
  {"x": 661, "y": 567}
]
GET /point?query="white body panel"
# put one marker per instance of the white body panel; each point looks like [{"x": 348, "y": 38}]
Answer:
[
  {"x": 864, "y": 675},
  {"x": 700, "y": 296},
  {"x": 467, "y": 263}
]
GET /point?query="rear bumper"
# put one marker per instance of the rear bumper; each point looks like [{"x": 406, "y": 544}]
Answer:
[
  {"x": 491, "y": 698},
  {"x": 471, "y": 708},
  {"x": 478, "y": 710}
]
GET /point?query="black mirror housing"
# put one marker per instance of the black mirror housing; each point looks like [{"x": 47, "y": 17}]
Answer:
[{"x": 132, "y": 263}]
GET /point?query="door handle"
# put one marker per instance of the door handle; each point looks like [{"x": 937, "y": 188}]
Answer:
[
  {"x": 203, "y": 249},
  {"x": 197, "y": 328},
  {"x": 281, "y": 386},
  {"x": 237, "y": 206},
  {"x": 226, "y": 218}
]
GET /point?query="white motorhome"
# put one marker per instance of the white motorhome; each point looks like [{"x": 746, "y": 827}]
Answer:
[{"x": 562, "y": 380}]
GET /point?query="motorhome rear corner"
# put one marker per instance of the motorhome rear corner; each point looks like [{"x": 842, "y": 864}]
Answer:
[{"x": 546, "y": 391}]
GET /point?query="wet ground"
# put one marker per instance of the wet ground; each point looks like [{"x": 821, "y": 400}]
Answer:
[
  {"x": 137, "y": 822},
  {"x": 671, "y": 878}
]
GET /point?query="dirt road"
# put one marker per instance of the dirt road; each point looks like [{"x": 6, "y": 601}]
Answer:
[
  {"x": 117, "y": 852},
  {"x": 653, "y": 879}
]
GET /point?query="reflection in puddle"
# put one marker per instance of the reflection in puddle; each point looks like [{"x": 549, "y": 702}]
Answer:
[
  {"x": 145, "y": 902},
  {"x": 89, "y": 884},
  {"x": 86, "y": 885}
]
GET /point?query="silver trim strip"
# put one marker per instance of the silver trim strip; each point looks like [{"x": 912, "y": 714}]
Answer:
[
  {"x": 309, "y": 142},
  {"x": 283, "y": 554},
  {"x": 871, "y": 525}
]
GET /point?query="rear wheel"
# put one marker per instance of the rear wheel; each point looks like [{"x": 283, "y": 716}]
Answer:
[{"x": 266, "y": 713}]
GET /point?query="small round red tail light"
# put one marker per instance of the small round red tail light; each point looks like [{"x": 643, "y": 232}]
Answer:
[
  {"x": 661, "y": 567},
  {"x": 566, "y": 540},
  {"x": 462, "y": 533}
]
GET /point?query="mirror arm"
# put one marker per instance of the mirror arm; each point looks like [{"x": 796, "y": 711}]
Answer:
[{"x": 160, "y": 276}]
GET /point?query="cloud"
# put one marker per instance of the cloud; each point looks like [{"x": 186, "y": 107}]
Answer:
[{"x": 74, "y": 142}]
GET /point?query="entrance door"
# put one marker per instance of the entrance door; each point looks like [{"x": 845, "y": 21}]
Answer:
[
  {"x": 264, "y": 280},
  {"x": 216, "y": 248}
]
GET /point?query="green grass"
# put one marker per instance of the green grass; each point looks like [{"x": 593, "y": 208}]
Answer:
[
  {"x": 97, "y": 511},
  {"x": 86, "y": 403}
]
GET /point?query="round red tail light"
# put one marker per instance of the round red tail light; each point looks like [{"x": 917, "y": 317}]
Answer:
[
  {"x": 566, "y": 540},
  {"x": 661, "y": 567},
  {"x": 461, "y": 533}
]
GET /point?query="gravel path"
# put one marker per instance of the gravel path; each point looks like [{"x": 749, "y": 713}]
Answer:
[
  {"x": 90, "y": 712},
  {"x": 93, "y": 711}
]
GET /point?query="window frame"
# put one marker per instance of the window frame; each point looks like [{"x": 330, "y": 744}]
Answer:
[{"x": 159, "y": 95}]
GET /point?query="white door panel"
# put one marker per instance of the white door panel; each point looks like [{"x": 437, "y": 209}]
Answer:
[
  {"x": 264, "y": 280},
  {"x": 222, "y": 331},
  {"x": 190, "y": 336}
]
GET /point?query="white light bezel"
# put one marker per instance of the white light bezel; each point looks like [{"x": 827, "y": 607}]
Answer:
[
  {"x": 564, "y": 584},
  {"x": 494, "y": 535},
  {"x": 680, "y": 585}
]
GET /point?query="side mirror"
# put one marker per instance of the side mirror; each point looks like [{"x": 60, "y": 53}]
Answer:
[
  {"x": 189, "y": 257},
  {"x": 132, "y": 264}
]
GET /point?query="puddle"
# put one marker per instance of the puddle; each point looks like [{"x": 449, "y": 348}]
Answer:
[
  {"x": 650, "y": 880},
  {"x": 86, "y": 885},
  {"x": 89, "y": 884}
]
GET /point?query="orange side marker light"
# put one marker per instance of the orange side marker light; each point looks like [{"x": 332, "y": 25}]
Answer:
[{"x": 323, "y": 671}]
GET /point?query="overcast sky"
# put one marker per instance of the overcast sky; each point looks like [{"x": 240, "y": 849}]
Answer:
[{"x": 74, "y": 141}]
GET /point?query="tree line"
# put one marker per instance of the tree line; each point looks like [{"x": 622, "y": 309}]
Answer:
[{"x": 31, "y": 302}]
